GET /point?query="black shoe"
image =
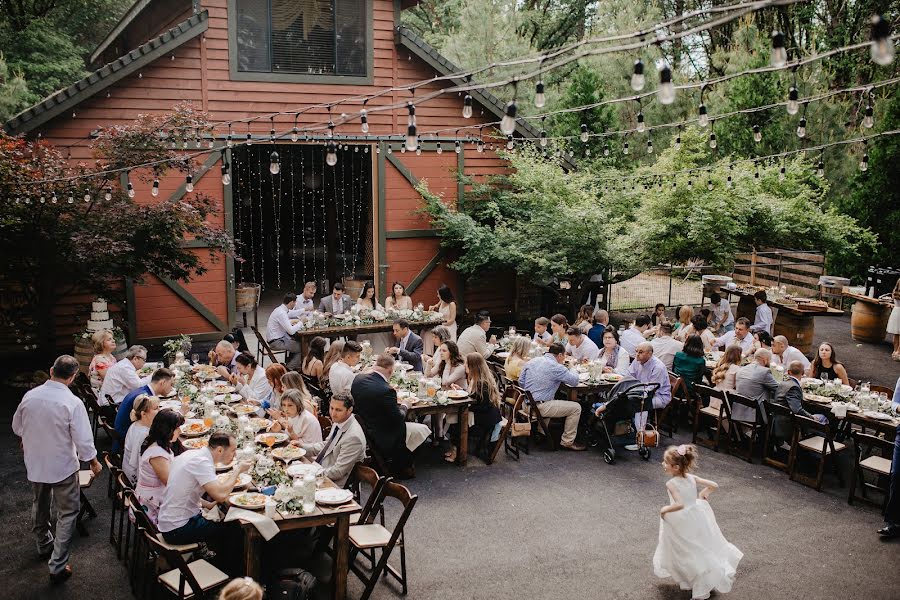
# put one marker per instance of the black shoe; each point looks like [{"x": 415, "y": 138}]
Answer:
[
  {"x": 46, "y": 554},
  {"x": 57, "y": 578},
  {"x": 889, "y": 532}
]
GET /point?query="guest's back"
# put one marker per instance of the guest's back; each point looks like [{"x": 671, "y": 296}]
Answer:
[{"x": 376, "y": 406}]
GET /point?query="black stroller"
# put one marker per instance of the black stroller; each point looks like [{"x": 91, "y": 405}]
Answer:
[{"x": 627, "y": 398}]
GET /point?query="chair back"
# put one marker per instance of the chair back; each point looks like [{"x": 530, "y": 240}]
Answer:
[
  {"x": 805, "y": 424},
  {"x": 113, "y": 462},
  {"x": 679, "y": 387},
  {"x": 707, "y": 393},
  {"x": 111, "y": 431},
  {"x": 263, "y": 345},
  {"x": 123, "y": 482},
  {"x": 401, "y": 493},
  {"x": 325, "y": 424},
  {"x": 177, "y": 561},
  {"x": 510, "y": 406},
  {"x": 880, "y": 389},
  {"x": 736, "y": 399},
  {"x": 865, "y": 443},
  {"x": 368, "y": 475}
]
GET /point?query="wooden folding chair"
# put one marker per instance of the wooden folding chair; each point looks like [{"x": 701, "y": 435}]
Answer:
[
  {"x": 672, "y": 412},
  {"x": 370, "y": 535},
  {"x": 125, "y": 498},
  {"x": 374, "y": 503},
  {"x": 744, "y": 433},
  {"x": 866, "y": 461},
  {"x": 822, "y": 445},
  {"x": 193, "y": 579},
  {"x": 111, "y": 432},
  {"x": 778, "y": 413},
  {"x": 118, "y": 506},
  {"x": 85, "y": 480},
  {"x": 880, "y": 389},
  {"x": 510, "y": 408},
  {"x": 263, "y": 349},
  {"x": 533, "y": 414},
  {"x": 716, "y": 409},
  {"x": 312, "y": 384},
  {"x": 325, "y": 424}
]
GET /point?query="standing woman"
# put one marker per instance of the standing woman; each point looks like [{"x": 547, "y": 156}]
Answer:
[
  {"x": 449, "y": 367},
  {"x": 159, "y": 449},
  {"x": 398, "y": 300},
  {"x": 826, "y": 366},
  {"x": 104, "y": 345},
  {"x": 893, "y": 326},
  {"x": 559, "y": 324},
  {"x": 447, "y": 307},
  {"x": 314, "y": 361},
  {"x": 585, "y": 319},
  {"x": 250, "y": 378},
  {"x": 142, "y": 414},
  {"x": 483, "y": 390}
]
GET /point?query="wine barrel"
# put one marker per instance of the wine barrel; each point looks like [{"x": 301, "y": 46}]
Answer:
[
  {"x": 798, "y": 329},
  {"x": 868, "y": 321},
  {"x": 246, "y": 297},
  {"x": 746, "y": 308},
  {"x": 353, "y": 287}
]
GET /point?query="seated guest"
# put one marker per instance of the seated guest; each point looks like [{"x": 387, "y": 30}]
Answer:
[
  {"x": 341, "y": 374},
  {"x": 293, "y": 381},
  {"x": 634, "y": 335},
  {"x": 157, "y": 452},
  {"x": 337, "y": 303},
  {"x": 145, "y": 409},
  {"x": 699, "y": 327},
  {"x": 160, "y": 385},
  {"x": 241, "y": 589},
  {"x": 762, "y": 339},
  {"x": 790, "y": 394},
  {"x": 474, "y": 337},
  {"x": 331, "y": 357},
  {"x": 725, "y": 373},
  {"x": 541, "y": 335},
  {"x": 449, "y": 367},
  {"x": 384, "y": 416},
  {"x": 585, "y": 319},
  {"x": 784, "y": 354},
  {"x": 304, "y": 304},
  {"x": 293, "y": 418},
  {"x": 367, "y": 299},
  {"x": 755, "y": 381},
  {"x": 595, "y": 333},
  {"x": 826, "y": 365},
  {"x": 250, "y": 379},
  {"x": 559, "y": 327},
  {"x": 740, "y": 335},
  {"x": 612, "y": 356},
  {"x": 689, "y": 364},
  {"x": 345, "y": 446},
  {"x": 542, "y": 377},
  {"x": 519, "y": 354},
  {"x": 580, "y": 347},
  {"x": 763, "y": 320},
  {"x": 191, "y": 475},
  {"x": 225, "y": 359},
  {"x": 722, "y": 320},
  {"x": 646, "y": 368},
  {"x": 685, "y": 314},
  {"x": 398, "y": 300},
  {"x": 486, "y": 395},
  {"x": 659, "y": 316},
  {"x": 280, "y": 331},
  {"x": 439, "y": 335},
  {"x": 274, "y": 373},
  {"x": 104, "y": 345},
  {"x": 410, "y": 346},
  {"x": 314, "y": 361},
  {"x": 120, "y": 379},
  {"x": 664, "y": 345}
]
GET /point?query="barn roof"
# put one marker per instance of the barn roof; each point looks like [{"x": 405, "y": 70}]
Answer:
[{"x": 66, "y": 99}]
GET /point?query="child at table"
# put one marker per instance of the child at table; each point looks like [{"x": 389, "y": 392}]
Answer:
[
  {"x": 541, "y": 335},
  {"x": 692, "y": 549},
  {"x": 300, "y": 424}
]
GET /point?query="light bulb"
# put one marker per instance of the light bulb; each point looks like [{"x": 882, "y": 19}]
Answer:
[
  {"x": 801, "y": 129},
  {"x": 53, "y": 198},
  {"x": 331, "y": 154},
  {"x": 864, "y": 163},
  {"x": 779, "y": 52},
  {"x": 154, "y": 191},
  {"x": 781, "y": 174},
  {"x": 820, "y": 169},
  {"x": 274, "y": 164},
  {"x": 87, "y": 197},
  {"x": 229, "y": 142},
  {"x": 793, "y": 106},
  {"x": 757, "y": 134},
  {"x": 649, "y": 147},
  {"x": 678, "y": 143},
  {"x": 419, "y": 150},
  {"x": 703, "y": 118},
  {"x": 882, "y": 44},
  {"x": 509, "y": 142},
  {"x": 226, "y": 176},
  {"x": 712, "y": 141},
  {"x": 249, "y": 139},
  {"x": 625, "y": 148},
  {"x": 130, "y": 189},
  {"x": 479, "y": 146},
  {"x": 71, "y": 199},
  {"x": 690, "y": 183},
  {"x": 756, "y": 174},
  {"x": 666, "y": 91},
  {"x": 584, "y": 133},
  {"x": 543, "y": 141},
  {"x": 390, "y": 149},
  {"x": 411, "y": 117},
  {"x": 439, "y": 149},
  {"x": 606, "y": 150},
  {"x": 709, "y": 184},
  {"x": 587, "y": 152},
  {"x": 467, "y": 107},
  {"x": 403, "y": 148},
  {"x": 540, "y": 99},
  {"x": 868, "y": 121},
  {"x": 508, "y": 124},
  {"x": 294, "y": 135},
  {"x": 189, "y": 183},
  {"x": 457, "y": 147},
  {"x": 641, "y": 127},
  {"x": 364, "y": 120},
  {"x": 108, "y": 195},
  {"x": 637, "y": 78},
  {"x": 412, "y": 139},
  {"x": 728, "y": 182}
]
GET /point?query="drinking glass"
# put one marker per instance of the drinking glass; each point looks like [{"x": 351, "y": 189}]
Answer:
[
  {"x": 195, "y": 358},
  {"x": 270, "y": 440},
  {"x": 208, "y": 420}
]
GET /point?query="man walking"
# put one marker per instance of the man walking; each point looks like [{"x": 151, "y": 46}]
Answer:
[{"x": 56, "y": 435}]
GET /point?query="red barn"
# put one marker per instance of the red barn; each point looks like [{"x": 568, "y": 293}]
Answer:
[{"x": 238, "y": 59}]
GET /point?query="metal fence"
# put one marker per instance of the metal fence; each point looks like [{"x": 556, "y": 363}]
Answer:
[{"x": 672, "y": 286}]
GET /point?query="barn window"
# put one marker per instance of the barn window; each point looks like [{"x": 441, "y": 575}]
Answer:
[{"x": 312, "y": 38}]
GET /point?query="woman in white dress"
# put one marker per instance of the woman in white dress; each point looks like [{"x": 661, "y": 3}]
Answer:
[
  {"x": 447, "y": 307},
  {"x": 613, "y": 357},
  {"x": 893, "y": 326},
  {"x": 449, "y": 367},
  {"x": 692, "y": 549},
  {"x": 398, "y": 300},
  {"x": 142, "y": 414},
  {"x": 366, "y": 301},
  {"x": 300, "y": 424}
]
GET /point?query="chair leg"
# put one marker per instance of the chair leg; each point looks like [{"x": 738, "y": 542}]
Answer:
[
  {"x": 820, "y": 475},
  {"x": 403, "y": 567},
  {"x": 853, "y": 479}
]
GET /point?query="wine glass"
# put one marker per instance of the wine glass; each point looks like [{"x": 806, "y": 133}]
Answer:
[{"x": 269, "y": 440}]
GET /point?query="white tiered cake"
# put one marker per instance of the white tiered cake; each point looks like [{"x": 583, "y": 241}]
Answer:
[{"x": 99, "y": 316}]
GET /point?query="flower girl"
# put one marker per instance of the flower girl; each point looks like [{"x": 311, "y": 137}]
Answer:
[{"x": 691, "y": 549}]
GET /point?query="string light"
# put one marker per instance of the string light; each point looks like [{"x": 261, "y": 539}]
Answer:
[
  {"x": 868, "y": 120},
  {"x": 412, "y": 139},
  {"x": 793, "y": 106},
  {"x": 882, "y": 48},
  {"x": 330, "y": 154},
  {"x": 820, "y": 169},
  {"x": 419, "y": 150},
  {"x": 637, "y": 78},
  {"x": 108, "y": 194},
  {"x": 864, "y": 162},
  {"x": 226, "y": 176},
  {"x": 543, "y": 140},
  {"x": 87, "y": 196},
  {"x": 584, "y": 132},
  {"x": 666, "y": 90},
  {"x": 641, "y": 127},
  {"x": 649, "y": 146},
  {"x": 509, "y": 142},
  {"x": 229, "y": 139},
  {"x": 154, "y": 191},
  {"x": 757, "y": 134},
  {"x": 364, "y": 120},
  {"x": 625, "y": 148},
  {"x": 479, "y": 146},
  {"x": 274, "y": 163},
  {"x": 53, "y": 198},
  {"x": 467, "y": 107},
  {"x": 712, "y": 140},
  {"x": 457, "y": 147},
  {"x": 703, "y": 117},
  {"x": 540, "y": 98},
  {"x": 188, "y": 183},
  {"x": 508, "y": 124},
  {"x": 801, "y": 128},
  {"x": 779, "y": 53},
  {"x": 606, "y": 150},
  {"x": 130, "y": 189}
]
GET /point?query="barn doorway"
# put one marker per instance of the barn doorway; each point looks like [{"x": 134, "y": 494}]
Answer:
[{"x": 310, "y": 222}]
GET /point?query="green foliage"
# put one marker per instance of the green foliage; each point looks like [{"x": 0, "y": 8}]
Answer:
[
  {"x": 585, "y": 87},
  {"x": 13, "y": 90}
]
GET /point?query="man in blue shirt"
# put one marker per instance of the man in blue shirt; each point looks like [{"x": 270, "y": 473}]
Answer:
[
  {"x": 160, "y": 385},
  {"x": 542, "y": 376}
]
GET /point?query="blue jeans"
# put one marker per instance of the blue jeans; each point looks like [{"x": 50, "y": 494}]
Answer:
[
  {"x": 892, "y": 508},
  {"x": 225, "y": 538},
  {"x": 726, "y": 328}
]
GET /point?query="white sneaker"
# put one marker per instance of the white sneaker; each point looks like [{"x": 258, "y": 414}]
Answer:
[{"x": 632, "y": 447}]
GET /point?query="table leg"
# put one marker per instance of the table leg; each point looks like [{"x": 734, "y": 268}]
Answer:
[
  {"x": 435, "y": 424},
  {"x": 252, "y": 552},
  {"x": 341, "y": 556},
  {"x": 573, "y": 394},
  {"x": 462, "y": 453}
]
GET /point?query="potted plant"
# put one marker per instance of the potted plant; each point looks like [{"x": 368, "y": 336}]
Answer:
[{"x": 177, "y": 349}]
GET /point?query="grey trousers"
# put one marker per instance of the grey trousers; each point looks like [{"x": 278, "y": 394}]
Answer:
[
  {"x": 66, "y": 503},
  {"x": 293, "y": 358}
]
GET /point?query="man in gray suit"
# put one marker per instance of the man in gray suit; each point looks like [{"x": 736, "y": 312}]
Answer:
[
  {"x": 346, "y": 444},
  {"x": 755, "y": 381},
  {"x": 790, "y": 394},
  {"x": 337, "y": 303}
]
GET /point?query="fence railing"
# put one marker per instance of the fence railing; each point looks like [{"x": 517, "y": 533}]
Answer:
[{"x": 771, "y": 267}]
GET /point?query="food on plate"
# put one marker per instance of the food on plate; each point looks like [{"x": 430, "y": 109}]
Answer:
[
  {"x": 289, "y": 453},
  {"x": 223, "y": 388},
  {"x": 243, "y": 479},
  {"x": 270, "y": 439},
  {"x": 612, "y": 377},
  {"x": 196, "y": 443},
  {"x": 244, "y": 409},
  {"x": 251, "y": 500},
  {"x": 457, "y": 394},
  {"x": 259, "y": 423}
]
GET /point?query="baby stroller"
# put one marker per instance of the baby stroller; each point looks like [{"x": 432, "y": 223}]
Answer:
[{"x": 627, "y": 398}]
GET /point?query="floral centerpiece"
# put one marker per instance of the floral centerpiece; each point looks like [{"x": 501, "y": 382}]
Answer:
[
  {"x": 178, "y": 348},
  {"x": 289, "y": 499},
  {"x": 358, "y": 316}
]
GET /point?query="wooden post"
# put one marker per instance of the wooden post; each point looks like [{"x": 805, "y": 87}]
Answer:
[{"x": 753, "y": 267}]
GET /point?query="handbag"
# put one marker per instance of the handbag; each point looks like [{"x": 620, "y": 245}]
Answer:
[{"x": 649, "y": 438}]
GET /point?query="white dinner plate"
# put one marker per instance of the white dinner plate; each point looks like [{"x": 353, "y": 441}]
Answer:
[
  {"x": 503, "y": 355},
  {"x": 457, "y": 394},
  {"x": 289, "y": 453},
  {"x": 229, "y": 398},
  {"x": 242, "y": 481},
  {"x": 301, "y": 469},
  {"x": 877, "y": 415},
  {"x": 194, "y": 428},
  {"x": 248, "y": 500},
  {"x": 333, "y": 496},
  {"x": 280, "y": 437}
]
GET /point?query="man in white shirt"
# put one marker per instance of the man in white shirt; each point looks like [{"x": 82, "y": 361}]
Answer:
[
  {"x": 474, "y": 337},
  {"x": 345, "y": 446},
  {"x": 280, "y": 331},
  {"x": 740, "y": 335},
  {"x": 634, "y": 335},
  {"x": 722, "y": 319},
  {"x": 341, "y": 374},
  {"x": 56, "y": 434},
  {"x": 763, "y": 320},
  {"x": 305, "y": 304},
  {"x": 120, "y": 379},
  {"x": 192, "y": 474},
  {"x": 580, "y": 346},
  {"x": 784, "y": 354},
  {"x": 665, "y": 346}
]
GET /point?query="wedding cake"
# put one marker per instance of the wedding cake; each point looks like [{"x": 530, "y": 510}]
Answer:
[{"x": 99, "y": 316}]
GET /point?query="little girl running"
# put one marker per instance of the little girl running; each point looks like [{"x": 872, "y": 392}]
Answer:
[{"x": 691, "y": 549}]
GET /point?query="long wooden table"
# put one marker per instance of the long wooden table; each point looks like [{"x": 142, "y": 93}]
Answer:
[
  {"x": 461, "y": 407},
  {"x": 305, "y": 335}
]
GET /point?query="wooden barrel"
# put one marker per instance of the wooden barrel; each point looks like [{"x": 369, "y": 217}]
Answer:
[
  {"x": 746, "y": 308},
  {"x": 246, "y": 297},
  {"x": 798, "y": 329},
  {"x": 353, "y": 287},
  {"x": 868, "y": 321}
]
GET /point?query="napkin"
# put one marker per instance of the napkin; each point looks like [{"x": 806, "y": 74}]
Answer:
[
  {"x": 212, "y": 514},
  {"x": 264, "y": 525}
]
